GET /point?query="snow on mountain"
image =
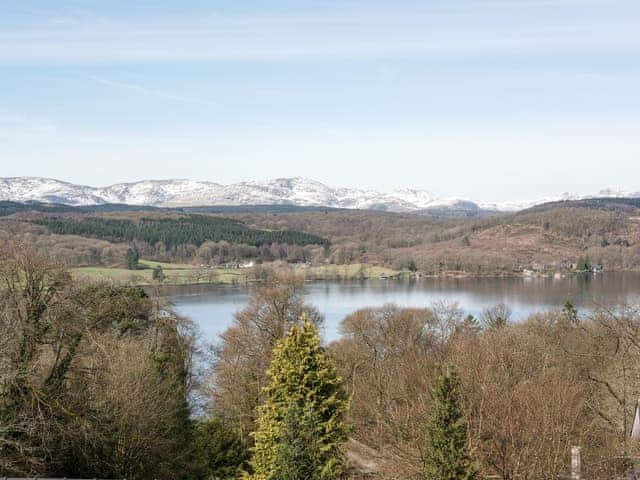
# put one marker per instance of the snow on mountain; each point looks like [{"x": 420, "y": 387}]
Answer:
[
  {"x": 566, "y": 196},
  {"x": 281, "y": 191},
  {"x": 159, "y": 192},
  {"x": 521, "y": 205},
  {"x": 177, "y": 193},
  {"x": 25, "y": 189},
  {"x": 419, "y": 198}
]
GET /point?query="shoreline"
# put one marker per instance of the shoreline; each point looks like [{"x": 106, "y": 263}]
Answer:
[{"x": 187, "y": 275}]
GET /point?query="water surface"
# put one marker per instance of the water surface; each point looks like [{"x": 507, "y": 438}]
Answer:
[{"x": 212, "y": 306}]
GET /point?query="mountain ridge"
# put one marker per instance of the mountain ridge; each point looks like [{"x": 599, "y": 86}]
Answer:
[{"x": 298, "y": 191}]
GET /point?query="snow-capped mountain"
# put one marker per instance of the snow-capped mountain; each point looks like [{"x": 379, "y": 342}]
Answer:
[
  {"x": 282, "y": 191},
  {"x": 566, "y": 196},
  {"x": 181, "y": 193}
]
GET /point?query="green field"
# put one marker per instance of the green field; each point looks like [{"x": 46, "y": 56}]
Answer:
[
  {"x": 175, "y": 274},
  {"x": 184, "y": 274},
  {"x": 347, "y": 272},
  {"x": 165, "y": 265}
]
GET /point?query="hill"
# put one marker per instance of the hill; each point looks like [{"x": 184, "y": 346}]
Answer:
[{"x": 547, "y": 238}]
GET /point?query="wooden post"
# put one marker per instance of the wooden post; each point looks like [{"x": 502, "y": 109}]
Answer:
[{"x": 575, "y": 463}]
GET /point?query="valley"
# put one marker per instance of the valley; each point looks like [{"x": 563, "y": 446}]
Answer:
[{"x": 209, "y": 244}]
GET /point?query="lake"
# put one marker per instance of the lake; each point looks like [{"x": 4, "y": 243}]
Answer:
[{"x": 212, "y": 306}]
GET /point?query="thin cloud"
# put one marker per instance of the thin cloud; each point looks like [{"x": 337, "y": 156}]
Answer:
[
  {"x": 150, "y": 92},
  {"x": 457, "y": 29}
]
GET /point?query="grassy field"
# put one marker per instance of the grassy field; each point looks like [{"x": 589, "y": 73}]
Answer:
[
  {"x": 180, "y": 275},
  {"x": 165, "y": 265},
  {"x": 184, "y": 274},
  {"x": 347, "y": 272}
]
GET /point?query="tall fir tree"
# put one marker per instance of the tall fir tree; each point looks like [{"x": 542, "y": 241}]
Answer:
[
  {"x": 447, "y": 456},
  {"x": 132, "y": 259},
  {"x": 301, "y": 431}
]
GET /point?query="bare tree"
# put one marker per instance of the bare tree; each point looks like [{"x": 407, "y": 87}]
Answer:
[
  {"x": 496, "y": 316},
  {"x": 245, "y": 348}
]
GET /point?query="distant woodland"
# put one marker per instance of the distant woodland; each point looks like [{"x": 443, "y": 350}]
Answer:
[
  {"x": 173, "y": 232},
  {"x": 557, "y": 237}
]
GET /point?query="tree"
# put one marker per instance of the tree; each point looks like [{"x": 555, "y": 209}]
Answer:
[
  {"x": 246, "y": 348},
  {"x": 218, "y": 449},
  {"x": 92, "y": 384},
  {"x": 609, "y": 355},
  {"x": 301, "y": 431},
  {"x": 570, "y": 312},
  {"x": 412, "y": 266},
  {"x": 32, "y": 298},
  {"x": 496, "y": 316},
  {"x": 158, "y": 274},
  {"x": 447, "y": 456},
  {"x": 526, "y": 403},
  {"x": 383, "y": 355},
  {"x": 133, "y": 257}
]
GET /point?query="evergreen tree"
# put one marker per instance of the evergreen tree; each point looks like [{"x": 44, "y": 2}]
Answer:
[
  {"x": 570, "y": 312},
  {"x": 218, "y": 450},
  {"x": 294, "y": 459},
  {"x": 158, "y": 273},
  {"x": 412, "y": 266},
  {"x": 447, "y": 456},
  {"x": 301, "y": 431},
  {"x": 132, "y": 259}
]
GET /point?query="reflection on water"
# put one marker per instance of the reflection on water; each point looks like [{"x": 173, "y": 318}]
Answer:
[{"x": 212, "y": 306}]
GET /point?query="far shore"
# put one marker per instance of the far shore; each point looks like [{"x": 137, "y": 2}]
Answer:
[{"x": 174, "y": 274}]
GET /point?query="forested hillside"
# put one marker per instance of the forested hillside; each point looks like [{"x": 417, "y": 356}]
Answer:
[
  {"x": 9, "y": 208},
  {"x": 547, "y": 238},
  {"x": 194, "y": 230}
]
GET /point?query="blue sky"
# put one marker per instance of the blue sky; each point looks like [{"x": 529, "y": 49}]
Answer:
[{"x": 488, "y": 99}]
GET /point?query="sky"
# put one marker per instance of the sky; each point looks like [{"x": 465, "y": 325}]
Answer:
[{"x": 492, "y": 100}]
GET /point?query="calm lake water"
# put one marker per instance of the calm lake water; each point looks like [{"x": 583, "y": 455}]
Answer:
[{"x": 212, "y": 306}]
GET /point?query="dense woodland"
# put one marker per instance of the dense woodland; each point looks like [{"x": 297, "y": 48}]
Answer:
[
  {"x": 100, "y": 380},
  {"x": 191, "y": 230}
]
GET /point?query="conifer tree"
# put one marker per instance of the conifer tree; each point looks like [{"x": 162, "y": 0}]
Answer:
[
  {"x": 132, "y": 258},
  {"x": 570, "y": 312},
  {"x": 447, "y": 456},
  {"x": 301, "y": 431},
  {"x": 158, "y": 273}
]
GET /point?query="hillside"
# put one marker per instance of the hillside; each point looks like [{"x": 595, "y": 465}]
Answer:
[
  {"x": 547, "y": 238},
  {"x": 174, "y": 232}
]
